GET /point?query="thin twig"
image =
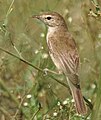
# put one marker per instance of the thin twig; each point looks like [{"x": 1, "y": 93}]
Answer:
[
  {"x": 10, "y": 8},
  {"x": 33, "y": 116},
  {"x": 8, "y": 12},
  {"x": 16, "y": 50},
  {"x": 21, "y": 59},
  {"x": 30, "y": 64},
  {"x": 23, "y": 98},
  {"x": 17, "y": 111},
  {"x": 94, "y": 2},
  {"x": 41, "y": 70}
]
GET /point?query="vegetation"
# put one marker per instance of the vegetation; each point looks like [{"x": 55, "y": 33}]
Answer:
[{"x": 30, "y": 86}]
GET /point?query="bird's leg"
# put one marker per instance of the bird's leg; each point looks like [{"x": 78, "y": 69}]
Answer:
[{"x": 46, "y": 70}]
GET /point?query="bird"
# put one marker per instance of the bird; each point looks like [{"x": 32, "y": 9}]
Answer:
[{"x": 64, "y": 54}]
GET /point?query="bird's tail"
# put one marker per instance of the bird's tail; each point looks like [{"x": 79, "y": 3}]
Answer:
[{"x": 78, "y": 99}]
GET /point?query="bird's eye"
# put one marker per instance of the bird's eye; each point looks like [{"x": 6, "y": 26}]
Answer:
[{"x": 48, "y": 18}]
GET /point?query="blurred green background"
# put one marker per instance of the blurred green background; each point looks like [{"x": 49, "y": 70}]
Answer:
[{"x": 30, "y": 94}]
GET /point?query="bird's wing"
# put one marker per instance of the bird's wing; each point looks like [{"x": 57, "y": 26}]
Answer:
[
  {"x": 70, "y": 60},
  {"x": 70, "y": 64},
  {"x": 65, "y": 56}
]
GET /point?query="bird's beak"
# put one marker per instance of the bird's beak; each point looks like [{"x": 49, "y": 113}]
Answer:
[
  {"x": 39, "y": 17},
  {"x": 36, "y": 16}
]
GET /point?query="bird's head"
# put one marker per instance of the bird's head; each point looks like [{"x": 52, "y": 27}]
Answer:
[{"x": 51, "y": 19}]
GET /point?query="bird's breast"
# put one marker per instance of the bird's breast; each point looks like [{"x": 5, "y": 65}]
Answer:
[{"x": 59, "y": 40}]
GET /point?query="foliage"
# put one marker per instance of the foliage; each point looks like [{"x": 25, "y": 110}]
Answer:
[{"x": 30, "y": 86}]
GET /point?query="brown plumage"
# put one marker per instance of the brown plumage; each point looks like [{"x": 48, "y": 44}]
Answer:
[{"x": 63, "y": 51}]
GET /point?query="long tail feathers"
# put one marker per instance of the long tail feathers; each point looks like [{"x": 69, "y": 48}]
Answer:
[
  {"x": 78, "y": 99},
  {"x": 79, "y": 102}
]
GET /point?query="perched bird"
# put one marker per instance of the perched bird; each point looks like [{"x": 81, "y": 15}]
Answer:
[{"x": 64, "y": 53}]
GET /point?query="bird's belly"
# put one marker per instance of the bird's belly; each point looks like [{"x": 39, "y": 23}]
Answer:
[{"x": 55, "y": 60}]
